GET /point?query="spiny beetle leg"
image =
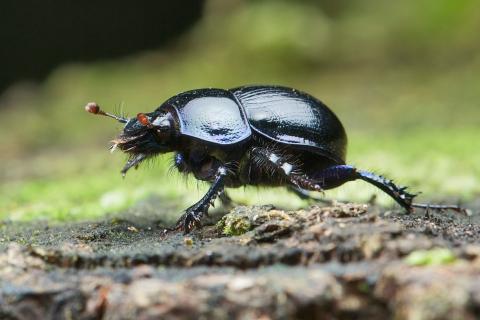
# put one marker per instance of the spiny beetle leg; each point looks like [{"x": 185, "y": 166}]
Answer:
[
  {"x": 402, "y": 197},
  {"x": 193, "y": 214},
  {"x": 280, "y": 163},
  {"x": 398, "y": 193},
  {"x": 335, "y": 176},
  {"x": 189, "y": 219}
]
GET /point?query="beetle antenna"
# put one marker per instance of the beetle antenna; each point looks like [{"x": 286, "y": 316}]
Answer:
[{"x": 94, "y": 108}]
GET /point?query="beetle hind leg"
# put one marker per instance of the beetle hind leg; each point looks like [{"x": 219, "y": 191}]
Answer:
[
  {"x": 398, "y": 193},
  {"x": 331, "y": 177},
  {"x": 337, "y": 175}
]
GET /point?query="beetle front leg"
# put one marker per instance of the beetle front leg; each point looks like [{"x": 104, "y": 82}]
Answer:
[{"x": 194, "y": 213}]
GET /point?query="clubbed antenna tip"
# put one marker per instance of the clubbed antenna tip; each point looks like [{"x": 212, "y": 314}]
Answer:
[{"x": 94, "y": 108}]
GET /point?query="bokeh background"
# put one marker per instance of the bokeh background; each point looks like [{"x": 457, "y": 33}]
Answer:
[{"x": 404, "y": 77}]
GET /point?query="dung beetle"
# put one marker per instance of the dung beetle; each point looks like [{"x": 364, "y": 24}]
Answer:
[{"x": 251, "y": 135}]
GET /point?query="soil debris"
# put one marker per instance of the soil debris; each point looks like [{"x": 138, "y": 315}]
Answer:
[{"x": 344, "y": 261}]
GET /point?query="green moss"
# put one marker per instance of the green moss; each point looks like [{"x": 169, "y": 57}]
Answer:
[
  {"x": 432, "y": 257},
  {"x": 234, "y": 225},
  {"x": 417, "y": 124},
  {"x": 77, "y": 195}
]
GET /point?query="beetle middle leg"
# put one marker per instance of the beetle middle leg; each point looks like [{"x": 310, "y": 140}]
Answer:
[
  {"x": 300, "y": 184},
  {"x": 306, "y": 195}
]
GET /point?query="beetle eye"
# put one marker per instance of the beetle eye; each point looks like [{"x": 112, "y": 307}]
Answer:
[{"x": 143, "y": 120}]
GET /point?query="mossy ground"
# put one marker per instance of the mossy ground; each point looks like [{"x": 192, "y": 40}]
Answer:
[
  {"x": 81, "y": 185},
  {"x": 413, "y": 118}
]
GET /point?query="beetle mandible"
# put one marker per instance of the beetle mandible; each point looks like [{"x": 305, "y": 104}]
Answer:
[{"x": 250, "y": 135}]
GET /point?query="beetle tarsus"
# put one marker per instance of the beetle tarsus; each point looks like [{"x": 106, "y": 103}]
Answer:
[{"x": 440, "y": 207}]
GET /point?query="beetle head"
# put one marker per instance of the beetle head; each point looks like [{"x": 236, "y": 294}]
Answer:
[{"x": 146, "y": 135}]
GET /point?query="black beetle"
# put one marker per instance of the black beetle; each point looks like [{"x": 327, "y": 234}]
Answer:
[{"x": 251, "y": 135}]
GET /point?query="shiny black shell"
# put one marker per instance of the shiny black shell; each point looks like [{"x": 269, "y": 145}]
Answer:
[
  {"x": 211, "y": 115},
  {"x": 295, "y": 118},
  {"x": 283, "y": 115}
]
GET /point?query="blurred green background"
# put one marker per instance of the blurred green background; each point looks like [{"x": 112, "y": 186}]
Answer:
[{"x": 404, "y": 77}]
